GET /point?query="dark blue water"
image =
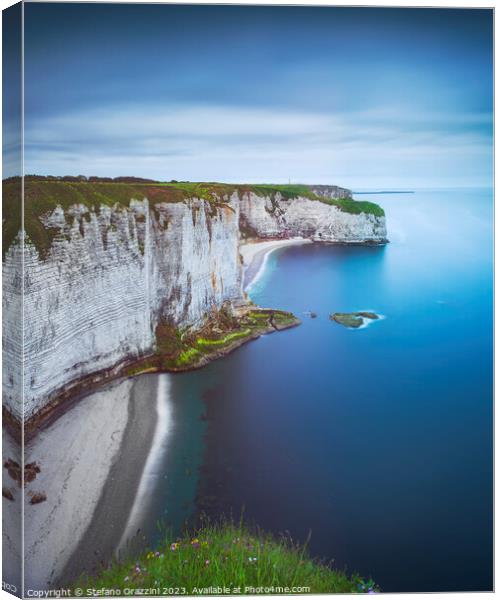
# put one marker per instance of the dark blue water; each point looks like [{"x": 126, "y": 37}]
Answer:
[{"x": 375, "y": 442}]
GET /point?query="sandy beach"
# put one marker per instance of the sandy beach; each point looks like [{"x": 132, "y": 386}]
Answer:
[
  {"x": 11, "y": 517},
  {"x": 76, "y": 456},
  {"x": 255, "y": 255},
  {"x": 111, "y": 514},
  {"x": 158, "y": 447}
]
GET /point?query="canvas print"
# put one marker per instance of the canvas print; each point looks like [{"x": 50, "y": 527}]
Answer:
[{"x": 247, "y": 299}]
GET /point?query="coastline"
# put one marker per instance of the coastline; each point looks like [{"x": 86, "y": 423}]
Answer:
[
  {"x": 114, "y": 486},
  {"x": 149, "y": 475},
  {"x": 256, "y": 253},
  {"x": 106, "y": 483},
  {"x": 111, "y": 515},
  {"x": 75, "y": 455},
  {"x": 62, "y": 400}
]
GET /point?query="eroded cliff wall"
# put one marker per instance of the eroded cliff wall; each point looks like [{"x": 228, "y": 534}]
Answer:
[
  {"x": 275, "y": 216},
  {"x": 94, "y": 296},
  {"x": 95, "y": 299}
]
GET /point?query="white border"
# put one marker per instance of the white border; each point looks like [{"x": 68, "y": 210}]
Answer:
[{"x": 366, "y": 3}]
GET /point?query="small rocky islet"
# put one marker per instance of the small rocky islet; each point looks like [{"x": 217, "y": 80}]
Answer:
[{"x": 353, "y": 320}]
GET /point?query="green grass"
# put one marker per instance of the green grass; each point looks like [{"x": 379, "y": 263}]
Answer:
[
  {"x": 11, "y": 207},
  {"x": 213, "y": 192},
  {"x": 288, "y": 191},
  {"x": 43, "y": 194},
  {"x": 187, "y": 356},
  {"x": 224, "y": 340},
  {"x": 283, "y": 318},
  {"x": 356, "y": 207},
  {"x": 254, "y": 319},
  {"x": 225, "y": 556}
]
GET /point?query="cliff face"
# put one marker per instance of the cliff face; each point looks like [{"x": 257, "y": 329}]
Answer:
[
  {"x": 12, "y": 329},
  {"x": 111, "y": 274},
  {"x": 109, "y": 277},
  {"x": 334, "y": 192},
  {"x": 268, "y": 217}
]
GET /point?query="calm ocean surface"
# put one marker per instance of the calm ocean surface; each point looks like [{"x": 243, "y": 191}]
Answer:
[{"x": 376, "y": 443}]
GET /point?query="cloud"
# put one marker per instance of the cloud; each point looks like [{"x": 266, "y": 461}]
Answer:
[{"x": 388, "y": 146}]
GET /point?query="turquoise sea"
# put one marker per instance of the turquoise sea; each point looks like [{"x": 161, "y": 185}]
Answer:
[{"x": 373, "y": 444}]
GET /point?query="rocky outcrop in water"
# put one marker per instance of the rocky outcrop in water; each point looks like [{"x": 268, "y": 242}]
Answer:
[{"x": 354, "y": 320}]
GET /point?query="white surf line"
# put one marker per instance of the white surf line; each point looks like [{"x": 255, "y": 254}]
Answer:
[
  {"x": 156, "y": 453},
  {"x": 261, "y": 270},
  {"x": 270, "y": 250},
  {"x": 367, "y": 322}
]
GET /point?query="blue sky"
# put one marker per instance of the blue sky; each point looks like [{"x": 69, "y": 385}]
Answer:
[{"x": 359, "y": 97}]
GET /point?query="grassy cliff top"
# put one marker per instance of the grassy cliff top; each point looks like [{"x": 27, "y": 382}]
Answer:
[
  {"x": 43, "y": 194},
  {"x": 226, "y": 556}
]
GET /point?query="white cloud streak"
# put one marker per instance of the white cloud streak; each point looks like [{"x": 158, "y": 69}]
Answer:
[{"x": 392, "y": 146}]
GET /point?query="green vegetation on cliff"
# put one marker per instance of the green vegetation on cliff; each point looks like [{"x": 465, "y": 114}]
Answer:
[
  {"x": 11, "y": 211},
  {"x": 291, "y": 191},
  {"x": 43, "y": 194},
  {"x": 356, "y": 207},
  {"x": 225, "y": 556},
  {"x": 221, "y": 333}
]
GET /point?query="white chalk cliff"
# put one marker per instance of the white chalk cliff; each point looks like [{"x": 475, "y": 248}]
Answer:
[
  {"x": 269, "y": 217},
  {"x": 92, "y": 301}
]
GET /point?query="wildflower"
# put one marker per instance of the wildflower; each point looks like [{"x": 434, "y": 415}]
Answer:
[
  {"x": 137, "y": 569},
  {"x": 207, "y": 562},
  {"x": 195, "y": 543},
  {"x": 126, "y": 578},
  {"x": 174, "y": 546},
  {"x": 252, "y": 559},
  {"x": 157, "y": 554},
  {"x": 204, "y": 544}
]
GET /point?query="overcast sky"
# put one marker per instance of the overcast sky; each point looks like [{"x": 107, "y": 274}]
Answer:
[{"x": 365, "y": 98}]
